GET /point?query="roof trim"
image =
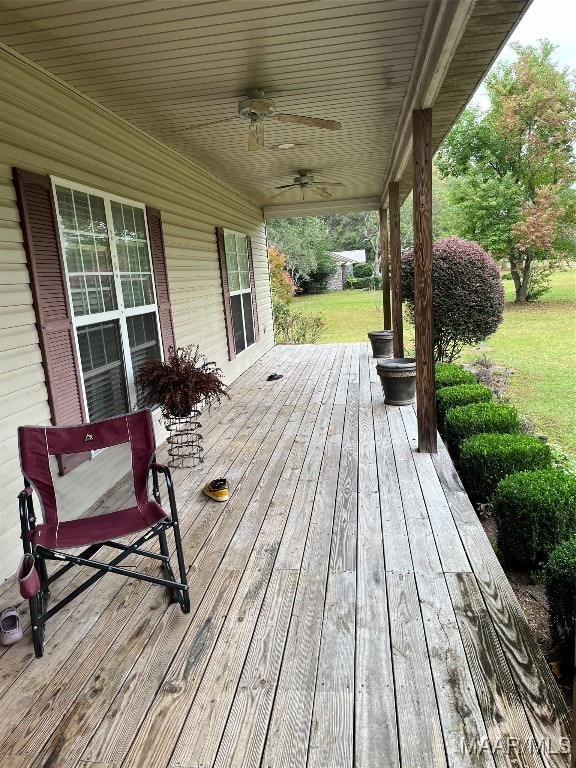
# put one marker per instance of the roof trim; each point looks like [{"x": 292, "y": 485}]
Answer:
[{"x": 442, "y": 32}]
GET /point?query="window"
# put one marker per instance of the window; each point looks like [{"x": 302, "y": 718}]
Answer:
[
  {"x": 237, "y": 274},
  {"x": 111, "y": 289},
  {"x": 58, "y": 336}
]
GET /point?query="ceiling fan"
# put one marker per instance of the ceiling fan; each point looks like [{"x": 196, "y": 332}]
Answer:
[
  {"x": 257, "y": 107},
  {"x": 305, "y": 181}
]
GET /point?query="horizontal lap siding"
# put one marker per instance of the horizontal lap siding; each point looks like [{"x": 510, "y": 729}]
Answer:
[{"x": 48, "y": 130}]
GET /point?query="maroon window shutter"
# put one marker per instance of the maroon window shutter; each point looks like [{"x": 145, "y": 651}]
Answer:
[
  {"x": 225, "y": 292},
  {"x": 51, "y": 304},
  {"x": 253, "y": 290},
  {"x": 161, "y": 278}
]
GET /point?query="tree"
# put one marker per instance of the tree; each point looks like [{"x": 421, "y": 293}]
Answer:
[
  {"x": 356, "y": 231},
  {"x": 305, "y": 244},
  {"x": 442, "y": 211},
  {"x": 290, "y": 327},
  {"x": 514, "y": 165},
  {"x": 468, "y": 295},
  {"x": 281, "y": 283}
]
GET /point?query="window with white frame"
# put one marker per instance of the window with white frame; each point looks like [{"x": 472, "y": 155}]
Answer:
[
  {"x": 238, "y": 268},
  {"x": 111, "y": 288}
]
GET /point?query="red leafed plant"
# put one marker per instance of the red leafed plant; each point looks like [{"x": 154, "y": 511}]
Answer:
[{"x": 181, "y": 382}]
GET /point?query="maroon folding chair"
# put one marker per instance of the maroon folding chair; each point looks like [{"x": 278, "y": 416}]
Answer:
[{"x": 49, "y": 539}]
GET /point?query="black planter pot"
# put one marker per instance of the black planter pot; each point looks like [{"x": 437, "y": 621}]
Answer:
[
  {"x": 382, "y": 346},
  {"x": 398, "y": 379}
]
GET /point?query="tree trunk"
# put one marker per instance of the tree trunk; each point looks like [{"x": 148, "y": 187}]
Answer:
[{"x": 521, "y": 270}]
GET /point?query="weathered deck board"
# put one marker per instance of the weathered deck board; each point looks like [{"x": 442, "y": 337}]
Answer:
[
  {"x": 347, "y": 609},
  {"x": 375, "y": 710}
]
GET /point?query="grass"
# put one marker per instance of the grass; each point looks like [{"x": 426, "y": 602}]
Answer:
[{"x": 537, "y": 341}]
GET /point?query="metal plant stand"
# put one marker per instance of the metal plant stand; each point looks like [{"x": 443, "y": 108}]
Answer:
[{"x": 184, "y": 440}]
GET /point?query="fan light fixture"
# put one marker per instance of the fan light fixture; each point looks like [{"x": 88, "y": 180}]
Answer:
[
  {"x": 257, "y": 107},
  {"x": 306, "y": 182}
]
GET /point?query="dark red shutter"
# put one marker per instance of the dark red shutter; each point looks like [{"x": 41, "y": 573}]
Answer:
[
  {"x": 225, "y": 293},
  {"x": 253, "y": 290},
  {"x": 161, "y": 278},
  {"x": 53, "y": 313}
]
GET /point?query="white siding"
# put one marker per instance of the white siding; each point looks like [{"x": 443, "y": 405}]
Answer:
[{"x": 48, "y": 129}]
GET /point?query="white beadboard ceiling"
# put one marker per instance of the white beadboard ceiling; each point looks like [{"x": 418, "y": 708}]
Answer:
[{"x": 168, "y": 65}]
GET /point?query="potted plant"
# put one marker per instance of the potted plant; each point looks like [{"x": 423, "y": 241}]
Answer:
[
  {"x": 382, "y": 343},
  {"x": 398, "y": 380},
  {"x": 180, "y": 383}
]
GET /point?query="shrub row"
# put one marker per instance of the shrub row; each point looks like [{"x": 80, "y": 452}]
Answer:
[
  {"x": 450, "y": 375},
  {"x": 560, "y": 579},
  {"x": 535, "y": 512},
  {"x": 533, "y": 502},
  {"x": 462, "y": 394},
  {"x": 468, "y": 420},
  {"x": 485, "y": 459},
  {"x": 363, "y": 282}
]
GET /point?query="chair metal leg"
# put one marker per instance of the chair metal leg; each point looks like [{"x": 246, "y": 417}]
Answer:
[
  {"x": 35, "y": 604},
  {"x": 183, "y": 596}
]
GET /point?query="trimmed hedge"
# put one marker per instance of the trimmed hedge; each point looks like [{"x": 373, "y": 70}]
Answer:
[
  {"x": 462, "y": 394},
  {"x": 535, "y": 511},
  {"x": 362, "y": 283},
  {"x": 485, "y": 459},
  {"x": 451, "y": 375},
  {"x": 467, "y": 297},
  {"x": 467, "y": 420},
  {"x": 560, "y": 579}
]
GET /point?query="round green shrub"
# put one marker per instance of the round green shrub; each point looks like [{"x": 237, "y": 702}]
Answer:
[
  {"x": 462, "y": 394},
  {"x": 363, "y": 269},
  {"x": 535, "y": 511},
  {"x": 485, "y": 459},
  {"x": 559, "y": 576},
  {"x": 451, "y": 374},
  {"x": 467, "y": 420}
]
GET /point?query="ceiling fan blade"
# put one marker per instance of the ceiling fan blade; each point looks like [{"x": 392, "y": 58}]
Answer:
[
  {"x": 315, "y": 122},
  {"x": 322, "y": 192},
  {"x": 331, "y": 183},
  {"x": 204, "y": 125},
  {"x": 288, "y": 186},
  {"x": 279, "y": 194},
  {"x": 256, "y": 135}
]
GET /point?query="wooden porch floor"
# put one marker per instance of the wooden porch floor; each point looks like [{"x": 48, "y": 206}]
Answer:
[{"x": 347, "y": 609}]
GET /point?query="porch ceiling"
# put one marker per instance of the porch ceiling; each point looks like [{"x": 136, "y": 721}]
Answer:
[{"x": 167, "y": 65}]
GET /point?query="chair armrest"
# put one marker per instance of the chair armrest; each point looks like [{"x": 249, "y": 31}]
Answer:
[{"x": 164, "y": 470}]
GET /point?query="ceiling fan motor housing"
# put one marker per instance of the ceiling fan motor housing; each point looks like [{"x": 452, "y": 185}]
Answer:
[
  {"x": 254, "y": 107},
  {"x": 304, "y": 179}
]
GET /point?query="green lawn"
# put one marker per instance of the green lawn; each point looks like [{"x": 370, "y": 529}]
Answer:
[{"x": 538, "y": 341}]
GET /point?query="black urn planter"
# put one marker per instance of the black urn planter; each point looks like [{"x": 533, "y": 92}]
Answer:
[
  {"x": 382, "y": 343},
  {"x": 398, "y": 379}
]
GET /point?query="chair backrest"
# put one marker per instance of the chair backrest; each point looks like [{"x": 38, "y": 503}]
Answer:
[{"x": 38, "y": 444}]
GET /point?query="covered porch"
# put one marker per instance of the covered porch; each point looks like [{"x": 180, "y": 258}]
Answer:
[{"x": 347, "y": 608}]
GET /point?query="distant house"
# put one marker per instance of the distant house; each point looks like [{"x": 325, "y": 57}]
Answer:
[{"x": 345, "y": 261}]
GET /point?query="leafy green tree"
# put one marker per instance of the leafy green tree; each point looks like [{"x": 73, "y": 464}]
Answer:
[
  {"x": 305, "y": 244},
  {"x": 443, "y": 212},
  {"x": 514, "y": 166},
  {"x": 356, "y": 231}
]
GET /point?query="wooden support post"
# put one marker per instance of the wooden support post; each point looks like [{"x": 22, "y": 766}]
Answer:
[
  {"x": 395, "y": 255},
  {"x": 425, "y": 391},
  {"x": 385, "y": 265}
]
